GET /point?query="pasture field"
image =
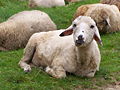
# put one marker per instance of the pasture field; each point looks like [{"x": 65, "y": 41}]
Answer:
[{"x": 12, "y": 76}]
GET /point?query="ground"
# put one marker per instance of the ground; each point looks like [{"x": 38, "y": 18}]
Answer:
[{"x": 12, "y": 76}]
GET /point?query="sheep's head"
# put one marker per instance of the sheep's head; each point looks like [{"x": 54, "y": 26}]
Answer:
[
  {"x": 102, "y": 18},
  {"x": 84, "y": 31}
]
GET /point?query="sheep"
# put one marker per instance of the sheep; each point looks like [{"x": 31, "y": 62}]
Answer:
[
  {"x": 105, "y": 16},
  {"x": 16, "y": 31},
  {"x": 78, "y": 53},
  {"x": 111, "y": 2},
  {"x": 73, "y": 0},
  {"x": 46, "y": 3}
]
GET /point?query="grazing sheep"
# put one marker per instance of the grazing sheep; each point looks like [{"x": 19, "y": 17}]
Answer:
[
  {"x": 46, "y": 3},
  {"x": 105, "y": 16},
  {"x": 73, "y": 0},
  {"x": 111, "y": 2},
  {"x": 16, "y": 31},
  {"x": 77, "y": 53}
]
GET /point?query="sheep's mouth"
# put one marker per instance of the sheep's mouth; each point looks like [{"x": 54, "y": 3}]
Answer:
[{"x": 79, "y": 42}]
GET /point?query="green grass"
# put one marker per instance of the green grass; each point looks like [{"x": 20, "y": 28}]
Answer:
[{"x": 13, "y": 78}]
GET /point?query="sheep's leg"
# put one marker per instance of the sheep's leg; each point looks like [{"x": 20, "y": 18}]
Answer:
[
  {"x": 27, "y": 58},
  {"x": 25, "y": 66},
  {"x": 98, "y": 64},
  {"x": 56, "y": 71},
  {"x": 3, "y": 49},
  {"x": 97, "y": 68}
]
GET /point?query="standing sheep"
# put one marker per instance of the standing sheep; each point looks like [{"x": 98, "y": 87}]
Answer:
[
  {"x": 46, "y": 3},
  {"x": 77, "y": 53},
  {"x": 107, "y": 17},
  {"x": 16, "y": 31},
  {"x": 111, "y": 2}
]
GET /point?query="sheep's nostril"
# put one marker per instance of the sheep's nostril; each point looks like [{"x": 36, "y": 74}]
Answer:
[{"x": 80, "y": 37}]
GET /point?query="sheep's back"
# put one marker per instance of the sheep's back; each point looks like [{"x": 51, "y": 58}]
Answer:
[
  {"x": 37, "y": 20},
  {"x": 111, "y": 2},
  {"x": 46, "y": 3},
  {"x": 17, "y": 30}
]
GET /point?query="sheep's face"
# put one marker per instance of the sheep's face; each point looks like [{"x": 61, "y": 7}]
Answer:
[
  {"x": 102, "y": 19},
  {"x": 84, "y": 30}
]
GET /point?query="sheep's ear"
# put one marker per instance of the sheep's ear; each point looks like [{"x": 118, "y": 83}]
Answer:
[
  {"x": 97, "y": 36},
  {"x": 67, "y": 32},
  {"x": 108, "y": 22}
]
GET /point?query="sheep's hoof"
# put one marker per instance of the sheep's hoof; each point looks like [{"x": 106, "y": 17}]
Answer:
[
  {"x": 60, "y": 76},
  {"x": 54, "y": 73},
  {"x": 27, "y": 69},
  {"x": 90, "y": 75},
  {"x": 48, "y": 69}
]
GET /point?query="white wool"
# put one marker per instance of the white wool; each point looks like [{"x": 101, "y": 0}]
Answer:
[
  {"x": 61, "y": 54},
  {"x": 16, "y": 31},
  {"x": 105, "y": 16},
  {"x": 46, "y": 3}
]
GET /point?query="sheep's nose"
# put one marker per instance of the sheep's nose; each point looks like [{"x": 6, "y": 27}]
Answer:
[{"x": 80, "y": 37}]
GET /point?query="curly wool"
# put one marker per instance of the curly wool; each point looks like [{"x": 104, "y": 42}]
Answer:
[
  {"x": 111, "y": 2},
  {"x": 100, "y": 13}
]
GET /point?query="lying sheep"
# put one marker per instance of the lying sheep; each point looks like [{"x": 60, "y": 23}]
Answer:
[
  {"x": 111, "y": 2},
  {"x": 77, "y": 53},
  {"x": 46, "y": 3},
  {"x": 16, "y": 31},
  {"x": 105, "y": 16}
]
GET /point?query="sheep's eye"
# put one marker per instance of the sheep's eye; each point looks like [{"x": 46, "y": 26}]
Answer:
[
  {"x": 105, "y": 22},
  {"x": 92, "y": 26},
  {"x": 74, "y": 25}
]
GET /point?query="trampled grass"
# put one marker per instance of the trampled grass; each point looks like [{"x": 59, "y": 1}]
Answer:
[{"x": 13, "y": 78}]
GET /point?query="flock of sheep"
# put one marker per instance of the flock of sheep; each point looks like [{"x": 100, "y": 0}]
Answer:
[{"x": 72, "y": 50}]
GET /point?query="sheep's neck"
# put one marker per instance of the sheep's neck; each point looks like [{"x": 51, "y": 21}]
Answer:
[
  {"x": 84, "y": 54},
  {"x": 84, "y": 57}
]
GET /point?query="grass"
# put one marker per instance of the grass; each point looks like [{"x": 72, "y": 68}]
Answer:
[{"x": 13, "y": 78}]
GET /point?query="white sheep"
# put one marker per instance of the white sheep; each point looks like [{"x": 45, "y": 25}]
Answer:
[
  {"x": 105, "y": 16},
  {"x": 16, "y": 31},
  {"x": 77, "y": 53},
  {"x": 46, "y": 3}
]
